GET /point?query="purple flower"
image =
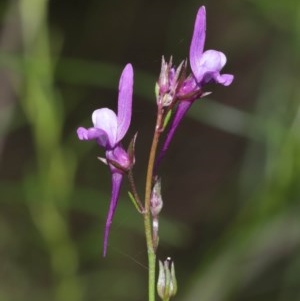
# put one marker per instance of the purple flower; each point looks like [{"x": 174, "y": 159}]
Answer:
[
  {"x": 206, "y": 67},
  {"x": 109, "y": 129}
]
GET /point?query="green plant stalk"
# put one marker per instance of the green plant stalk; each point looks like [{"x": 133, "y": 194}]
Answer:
[
  {"x": 147, "y": 212},
  {"x": 151, "y": 258}
]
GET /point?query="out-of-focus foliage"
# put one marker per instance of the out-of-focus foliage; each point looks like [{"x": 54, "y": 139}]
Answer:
[{"x": 231, "y": 218}]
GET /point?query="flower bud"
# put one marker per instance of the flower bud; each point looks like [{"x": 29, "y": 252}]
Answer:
[
  {"x": 156, "y": 202},
  {"x": 166, "y": 85},
  {"x": 163, "y": 81},
  {"x": 170, "y": 82},
  {"x": 167, "y": 283}
]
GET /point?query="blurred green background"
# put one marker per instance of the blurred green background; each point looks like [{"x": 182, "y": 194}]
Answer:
[{"x": 231, "y": 218}]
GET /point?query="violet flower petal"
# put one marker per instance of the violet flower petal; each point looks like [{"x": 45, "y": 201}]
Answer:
[
  {"x": 106, "y": 120},
  {"x": 116, "y": 185},
  {"x": 182, "y": 108},
  {"x": 223, "y": 79},
  {"x": 198, "y": 39},
  {"x": 125, "y": 101},
  {"x": 93, "y": 134}
]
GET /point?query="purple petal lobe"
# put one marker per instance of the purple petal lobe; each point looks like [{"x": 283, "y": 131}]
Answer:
[
  {"x": 116, "y": 185},
  {"x": 224, "y": 79},
  {"x": 106, "y": 120},
  {"x": 198, "y": 39},
  {"x": 125, "y": 101},
  {"x": 93, "y": 134}
]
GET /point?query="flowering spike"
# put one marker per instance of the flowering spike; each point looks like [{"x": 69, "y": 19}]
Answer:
[{"x": 206, "y": 67}]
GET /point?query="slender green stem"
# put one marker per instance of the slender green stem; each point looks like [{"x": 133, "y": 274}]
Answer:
[
  {"x": 147, "y": 212},
  {"x": 151, "y": 258}
]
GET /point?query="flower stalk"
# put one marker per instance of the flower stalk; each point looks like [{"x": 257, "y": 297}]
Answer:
[{"x": 147, "y": 210}]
